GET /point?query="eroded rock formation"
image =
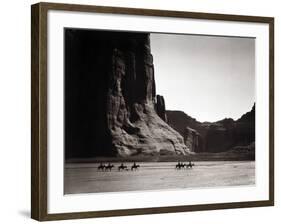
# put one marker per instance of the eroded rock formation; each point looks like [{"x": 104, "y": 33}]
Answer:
[
  {"x": 161, "y": 108},
  {"x": 110, "y": 78},
  {"x": 192, "y": 139},
  {"x": 133, "y": 121},
  {"x": 217, "y": 136}
]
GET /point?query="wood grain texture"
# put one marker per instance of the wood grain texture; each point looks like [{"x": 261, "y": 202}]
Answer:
[
  {"x": 271, "y": 111},
  {"x": 153, "y": 12},
  {"x": 34, "y": 113},
  {"x": 39, "y": 205},
  {"x": 38, "y": 112}
]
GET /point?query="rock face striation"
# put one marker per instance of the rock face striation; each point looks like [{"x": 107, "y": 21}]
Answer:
[
  {"x": 192, "y": 139},
  {"x": 111, "y": 103},
  {"x": 161, "y": 108},
  {"x": 217, "y": 136}
]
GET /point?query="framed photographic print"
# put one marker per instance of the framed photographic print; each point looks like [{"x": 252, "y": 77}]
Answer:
[{"x": 138, "y": 111}]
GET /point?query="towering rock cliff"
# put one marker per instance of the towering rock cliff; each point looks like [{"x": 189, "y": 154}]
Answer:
[{"x": 110, "y": 99}]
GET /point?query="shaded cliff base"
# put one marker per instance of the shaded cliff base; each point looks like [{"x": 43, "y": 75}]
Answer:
[{"x": 246, "y": 153}]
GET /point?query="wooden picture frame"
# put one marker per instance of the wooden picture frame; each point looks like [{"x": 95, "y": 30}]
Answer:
[{"x": 39, "y": 110}]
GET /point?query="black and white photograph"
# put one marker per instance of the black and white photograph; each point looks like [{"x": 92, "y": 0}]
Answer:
[
  {"x": 140, "y": 111},
  {"x": 153, "y": 111}
]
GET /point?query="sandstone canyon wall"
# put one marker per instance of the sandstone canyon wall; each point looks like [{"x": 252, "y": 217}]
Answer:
[
  {"x": 192, "y": 139},
  {"x": 217, "y": 136},
  {"x": 111, "y": 106}
]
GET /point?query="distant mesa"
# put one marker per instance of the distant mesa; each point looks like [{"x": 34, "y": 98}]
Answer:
[{"x": 217, "y": 136}]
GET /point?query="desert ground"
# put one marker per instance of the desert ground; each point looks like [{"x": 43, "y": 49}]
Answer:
[{"x": 85, "y": 177}]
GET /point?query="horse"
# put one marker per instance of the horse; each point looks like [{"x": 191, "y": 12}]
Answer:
[
  {"x": 180, "y": 165},
  {"x": 122, "y": 167},
  {"x": 101, "y": 167},
  {"x": 109, "y": 167},
  {"x": 135, "y": 166},
  {"x": 190, "y": 165}
]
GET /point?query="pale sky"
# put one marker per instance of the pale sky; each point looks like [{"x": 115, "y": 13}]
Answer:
[{"x": 209, "y": 78}]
